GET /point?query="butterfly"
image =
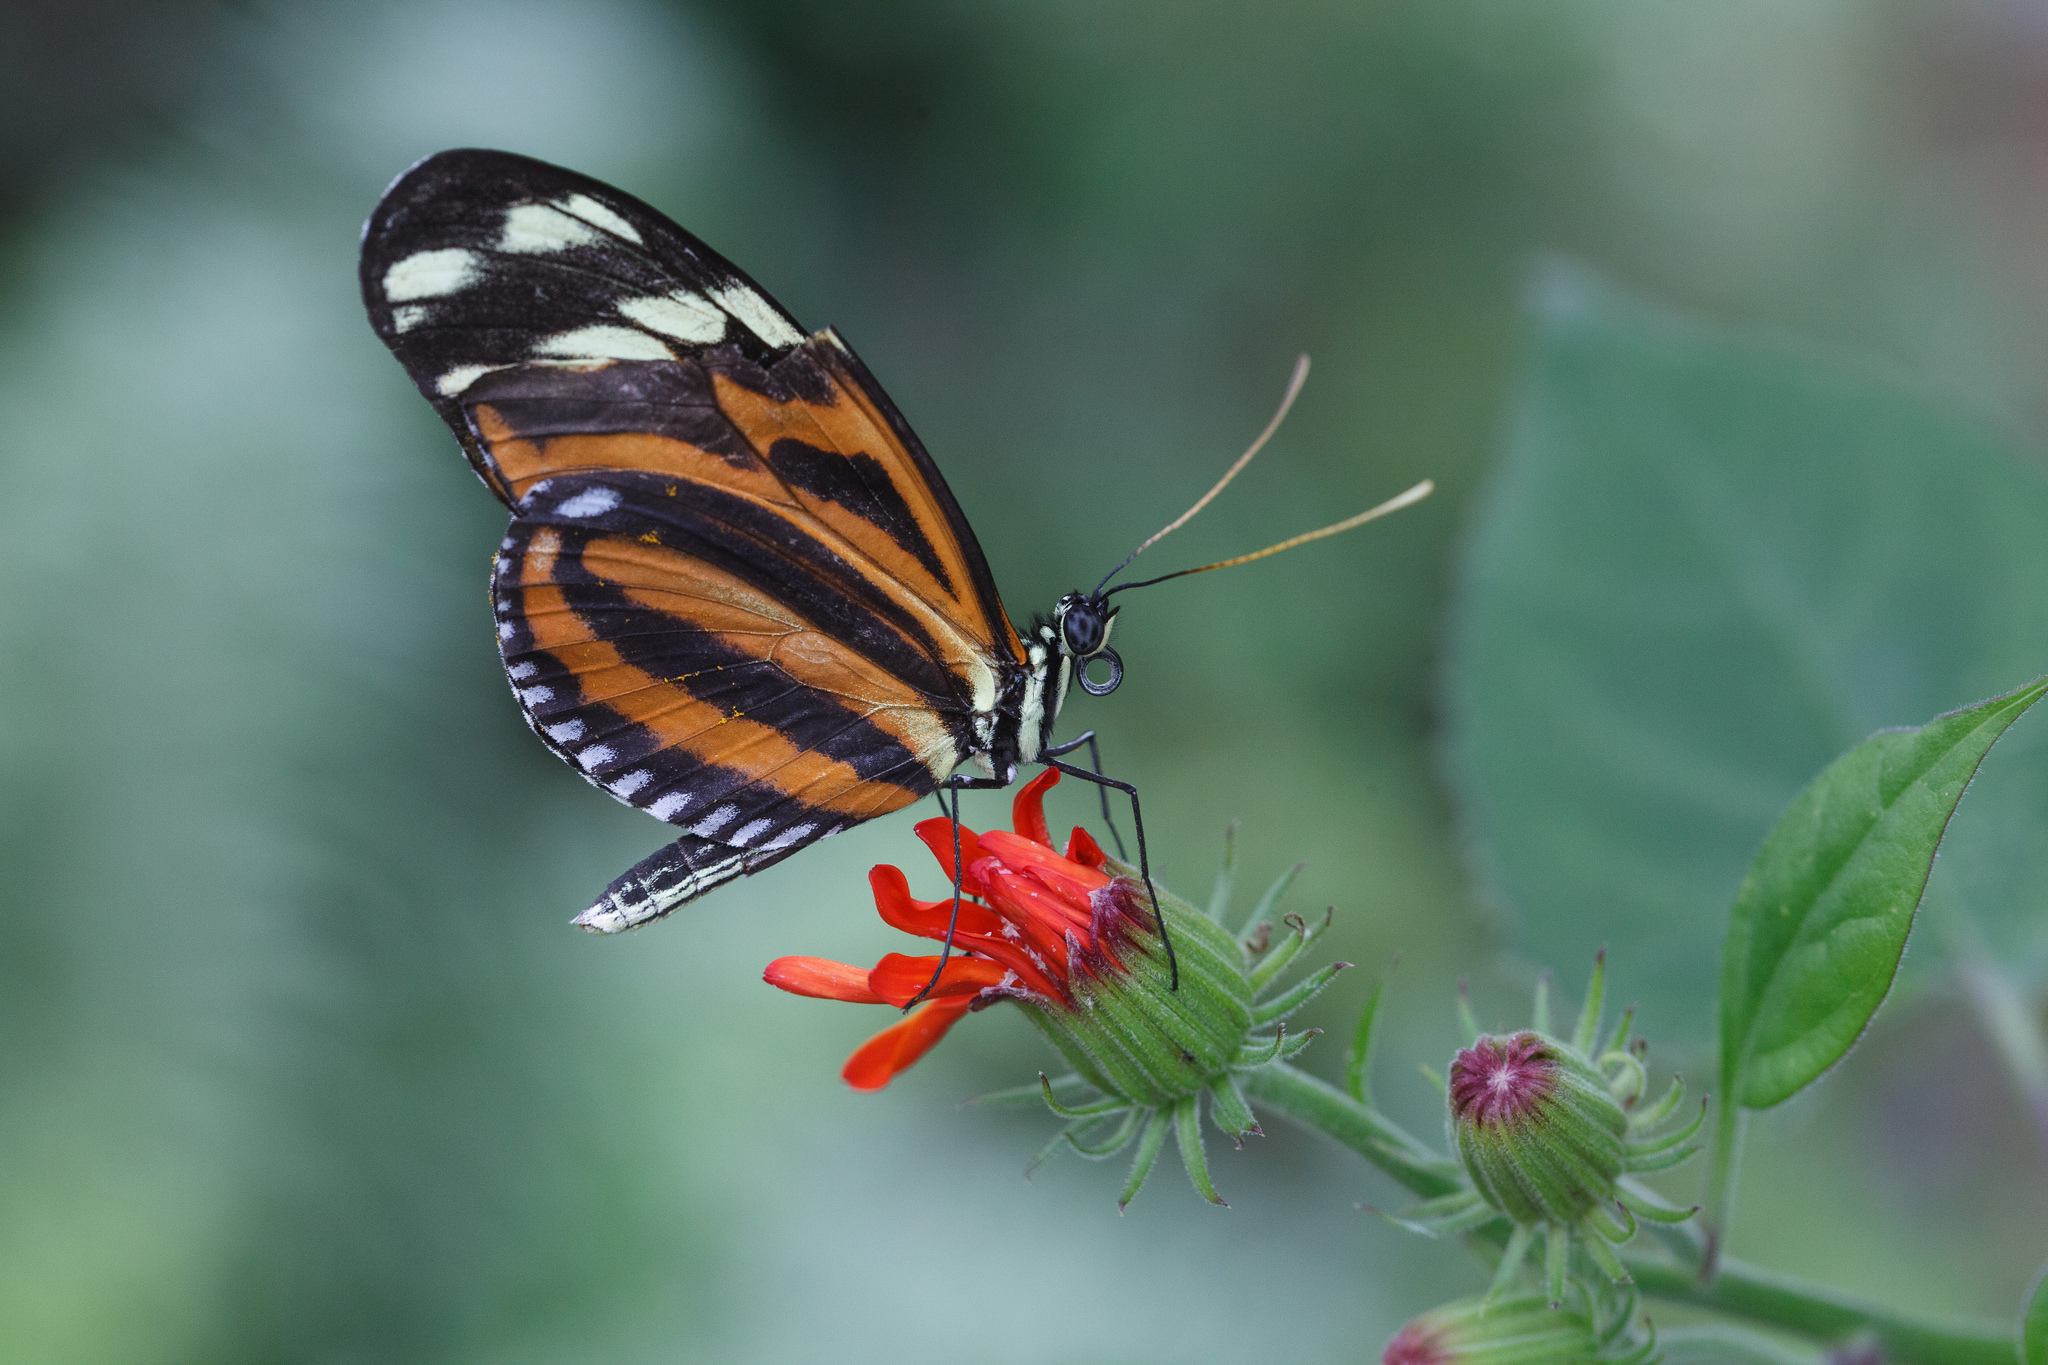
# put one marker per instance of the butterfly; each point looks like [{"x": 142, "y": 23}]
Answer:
[{"x": 736, "y": 592}]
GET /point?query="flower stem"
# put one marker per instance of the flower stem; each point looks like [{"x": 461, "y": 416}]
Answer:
[
  {"x": 1739, "y": 1290},
  {"x": 1721, "y": 1345}
]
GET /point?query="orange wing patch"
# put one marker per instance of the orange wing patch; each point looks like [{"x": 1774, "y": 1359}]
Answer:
[{"x": 692, "y": 596}]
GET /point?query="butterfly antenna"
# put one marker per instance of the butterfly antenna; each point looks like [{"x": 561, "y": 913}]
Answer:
[
  {"x": 1294, "y": 383},
  {"x": 1393, "y": 504}
]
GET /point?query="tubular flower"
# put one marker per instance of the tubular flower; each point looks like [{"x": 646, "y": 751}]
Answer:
[
  {"x": 1069, "y": 937},
  {"x": 1547, "y": 1130}
]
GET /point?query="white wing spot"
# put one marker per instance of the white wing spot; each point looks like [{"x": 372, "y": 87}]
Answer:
[
  {"x": 793, "y": 835},
  {"x": 709, "y": 826},
  {"x": 679, "y": 314},
  {"x": 747, "y": 833},
  {"x": 461, "y": 377},
  {"x": 594, "y": 755},
  {"x": 521, "y": 672},
  {"x": 591, "y": 502},
  {"x": 604, "y": 343},
  {"x": 533, "y": 229},
  {"x": 630, "y": 783},
  {"x": 591, "y": 211},
  {"x": 669, "y": 805},
  {"x": 432, "y": 274},
  {"x": 534, "y": 696},
  {"x": 759, "y": 316},
  {"x": 505, "y": 630},
  {"x": 405, "y": 317},
  {"x": 566, "y": 732}
]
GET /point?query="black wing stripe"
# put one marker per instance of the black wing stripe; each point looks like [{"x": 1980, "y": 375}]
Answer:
[{"x": 757, "y": 547}]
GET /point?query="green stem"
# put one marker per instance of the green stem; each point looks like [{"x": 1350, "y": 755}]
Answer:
[
  {"x": 2008, "y": 1016},
  {"x": 1728, "y": 1121},
  {"x": 1724, "y": 1345},
  {"x": 1743, "y": 1291},
  {"x": 1760, "y": 1295}
]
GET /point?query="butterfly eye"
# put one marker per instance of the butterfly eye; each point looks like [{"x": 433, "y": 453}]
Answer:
[{"x": 1082, "y": 627}]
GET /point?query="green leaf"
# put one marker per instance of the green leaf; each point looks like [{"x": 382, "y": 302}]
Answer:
[
  {"x": 1822, "y": 918},
  {"x": 1707, "y": 565},
  {"x": 2034, "y": 1323}
]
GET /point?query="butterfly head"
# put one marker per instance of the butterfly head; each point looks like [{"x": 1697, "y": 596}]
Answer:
[{"x": 1081, "y": 625}]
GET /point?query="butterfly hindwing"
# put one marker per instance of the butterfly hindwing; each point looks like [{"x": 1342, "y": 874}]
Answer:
[
  {"x": 736, "y": 592},
  {"x": 686, "y": 668}
]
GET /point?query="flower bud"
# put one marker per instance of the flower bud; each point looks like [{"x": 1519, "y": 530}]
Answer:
[
  {"x": 1537, "y": 1127},
  {"x": 1516, "y": 1331}
]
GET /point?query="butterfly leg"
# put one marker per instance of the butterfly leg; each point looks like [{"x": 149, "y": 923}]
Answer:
[
  {"x": 1144, "y": 862},
  {"x": 955, "y": 785},
  {"x": 1095, "y": 762}
]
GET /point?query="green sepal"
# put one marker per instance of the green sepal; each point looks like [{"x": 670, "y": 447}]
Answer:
[
  {"x": 1260, "y": 1052},
  {"x": 1141, "y": 1164},
  {"x": 1666, "y": 1105},
  {"x": 1229, "y": 1112},
  {"x": 1025, "y": 1094},
  {"x": 1358, "y": 1061},
  {"x": 1295, "y": 1042},
  {"x": 1511, "y": 1260},
  {"x": 1596, "y": 1244},
  {"x": 1557, "y": 1251},
  {"x": 1289, "y": 948},
  {"x": 1187, "y": 1128},
  {"x": 1589, "y": 1013},
  {"x": 1678, "y": 1136},
  {"x": 1118, "y": 1139},
  {"x": 1619, "y": 1042},
  {"x": 1086, "y": 1111},
  {"x": 1468, "y": 1022},
  {"x": 1226, "y": 877},
  {"x": 1270, "y": 902},
  {"x": 1658, "y": 1161},
  {"x": 1539, "y": 1012},
  {"x": 1295, "y": 996},
  {"x": 1051, "y": 1149},
  {"x": 1644, "y": 1205}
]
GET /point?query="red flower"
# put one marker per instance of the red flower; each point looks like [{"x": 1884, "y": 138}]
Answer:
[{"x": 1038, "y": 922}]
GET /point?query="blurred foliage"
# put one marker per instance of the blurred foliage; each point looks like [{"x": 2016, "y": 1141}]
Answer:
[
  {"x": 298, "y": 1059},
  {"x": 1708, "y": 566}
]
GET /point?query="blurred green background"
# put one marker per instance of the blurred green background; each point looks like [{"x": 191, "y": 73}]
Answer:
[{"x": 299, "y": 1060}]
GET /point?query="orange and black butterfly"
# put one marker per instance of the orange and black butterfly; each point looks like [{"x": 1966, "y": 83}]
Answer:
[{"x": 736, "y": 592}]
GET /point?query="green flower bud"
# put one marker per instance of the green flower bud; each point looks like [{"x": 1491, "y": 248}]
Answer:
[
  {"x": 1516, "y": 1331},
  {"x": 1536, "y": 1126},
  {"x": 1546, "y": 1132}
]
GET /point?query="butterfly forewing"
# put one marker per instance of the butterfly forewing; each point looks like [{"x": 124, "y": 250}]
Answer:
[{"x": 735, "y": 592}]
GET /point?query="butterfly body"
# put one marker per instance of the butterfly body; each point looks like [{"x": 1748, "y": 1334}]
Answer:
[{"x": 735, "y": 592}]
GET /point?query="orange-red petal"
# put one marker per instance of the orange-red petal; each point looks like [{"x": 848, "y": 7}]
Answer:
[
  {"x": 900, "y": 910},
  {"x": 1084, "y": 850},
  {"x": 897, "y": 979},
  {"x": 822, "y": 979},
  {"x": 938, "y": 837},
  {"x": 1027, "y": 809},
  {"x": 1018, "y": 853},
  {"x": 896, "y": 1049}
]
